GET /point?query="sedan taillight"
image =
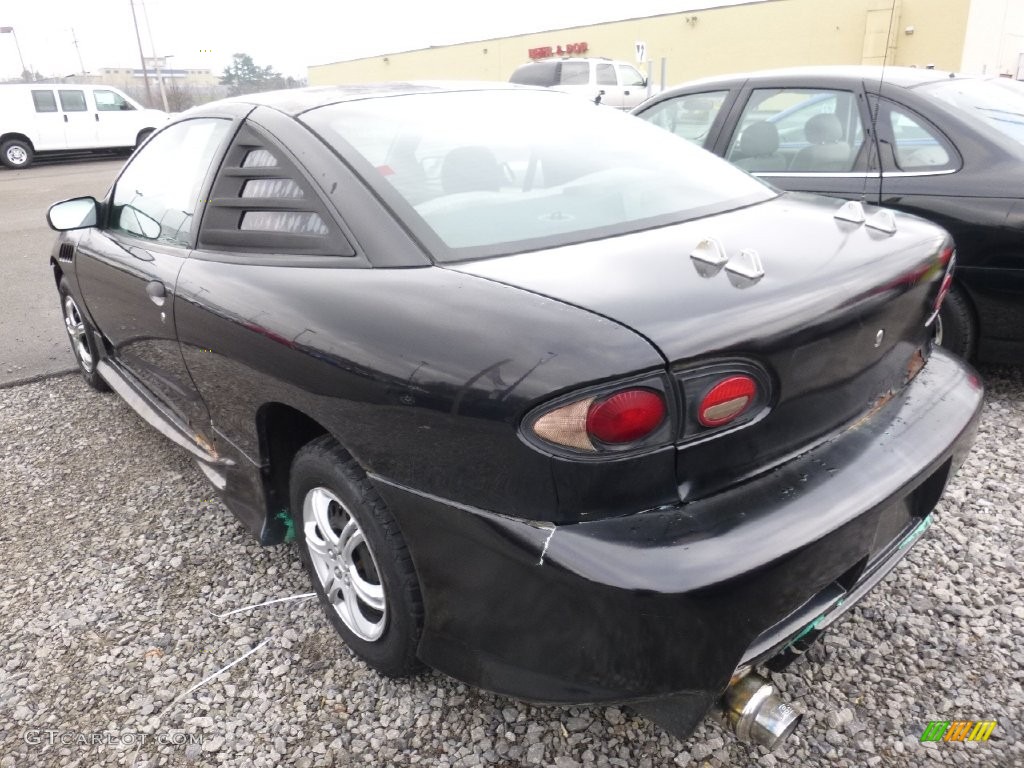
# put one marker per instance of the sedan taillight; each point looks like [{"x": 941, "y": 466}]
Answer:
[
  {"x": 948, "y": 257},
  {"x": 622, "y": 419}
]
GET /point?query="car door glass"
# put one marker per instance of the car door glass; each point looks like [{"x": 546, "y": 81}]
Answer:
[
  {"x": 605, "y": 74},
  {"x": 690, "y": 116},
  {"x": 915, "y": 146},
  {"x": 108, "y": 101},
  {"x": 575, "y": 73},
  {"x": 628, "y": 76},
  {"x": 73, "y": 101},
  {"x": 44, "y": 101},
  {"x": 799, "y": 130},
  {"x": 158, "y": 193}
]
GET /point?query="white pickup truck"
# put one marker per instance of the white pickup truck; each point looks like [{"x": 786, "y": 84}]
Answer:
[{"x": 44, "y": 118}]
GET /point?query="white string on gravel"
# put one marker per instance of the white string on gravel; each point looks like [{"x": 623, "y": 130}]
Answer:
[{"x": 304, "y": 596}]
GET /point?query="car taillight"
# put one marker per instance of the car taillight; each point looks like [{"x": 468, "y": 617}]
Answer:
[
  {"x": 614, "y": 421},
  {"x": 726, "y": 401},
  {"x": 626, "y": 416},
  {"x": 723, "y": 396}
]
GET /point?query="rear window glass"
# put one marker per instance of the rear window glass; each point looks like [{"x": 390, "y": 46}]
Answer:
[
  {"x": 541, "y": 73},
  {"x": 995, "y": 102},
  {"x": 495, "y": 172}
]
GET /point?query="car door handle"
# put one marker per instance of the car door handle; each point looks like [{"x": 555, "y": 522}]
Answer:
[
  {"x": 97, "y": 116},
  {"x": 65, "y": 118},
  {"x": 157, "y": 292}
]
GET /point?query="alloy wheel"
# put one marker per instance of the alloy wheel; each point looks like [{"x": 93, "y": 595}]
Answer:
[
  {"x": 76, "y": 329},
  {"x": 344, "y": 564}
]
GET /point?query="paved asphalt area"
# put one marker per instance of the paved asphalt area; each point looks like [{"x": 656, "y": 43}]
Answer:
[
  {"x": 32, "y": 337},
  {"x": 121, "y": 571}
]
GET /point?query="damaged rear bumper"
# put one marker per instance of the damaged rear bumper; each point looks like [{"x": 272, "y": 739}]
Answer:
[{"x": 659, "y": 609}]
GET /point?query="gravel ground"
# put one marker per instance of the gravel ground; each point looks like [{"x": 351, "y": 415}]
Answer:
[{"x": 118, "y": 565}]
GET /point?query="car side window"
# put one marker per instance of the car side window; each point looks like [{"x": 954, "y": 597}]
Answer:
[
  {"x": 262, "y": 203},
  {"x": 108, "y": 101},
  {"x": 44, "y": 101},
  {"x": 575, "y": 73},
  {"x": 798, "y": 130},
  {"x": 72, "y": 101},
  {"x": 690, "y": 116},
  {"x": 916, "y": 146},
  {"x": 157, "y": 195},
  {"x": 628, "y": 75},
  {"x": 606, "y": 74}
]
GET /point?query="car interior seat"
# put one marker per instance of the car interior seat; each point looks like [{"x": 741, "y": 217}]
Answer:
[
  {"x": 759, "y": 145},
  {"x": 470, "y": 169},
  {"x": 828, "y": 151}
]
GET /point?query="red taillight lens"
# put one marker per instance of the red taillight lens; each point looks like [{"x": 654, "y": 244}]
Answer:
[
  {"x": 626, "y": 416},
  {"x": 727, "y": 400},
  {"x": 948, "y": 257}
]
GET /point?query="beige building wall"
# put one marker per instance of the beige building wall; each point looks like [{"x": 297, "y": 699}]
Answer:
[
  {"x": 995, "y": 38},
  {"x": 711, "y": 41}
]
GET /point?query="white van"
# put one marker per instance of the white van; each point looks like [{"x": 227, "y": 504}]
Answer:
[
  {"x": 42, "y": 118},
  {"x": 613, "y": 83}
]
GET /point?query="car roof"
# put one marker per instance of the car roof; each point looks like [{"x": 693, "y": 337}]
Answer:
[
  {"x": 295, "y": 101},
  {"x": 907, "y": 77}
]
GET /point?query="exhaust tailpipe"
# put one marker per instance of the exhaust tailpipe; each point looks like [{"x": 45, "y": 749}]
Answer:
[{"x": 755, "y": 714}]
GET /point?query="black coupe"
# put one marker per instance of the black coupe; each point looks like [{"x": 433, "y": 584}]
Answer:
[
  {"x": 947, "y": 147},
  {"x": 552, "y": 401}
]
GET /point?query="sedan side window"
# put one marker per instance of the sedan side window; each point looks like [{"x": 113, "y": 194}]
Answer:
[
  {"x": 158, "y": 193},
  {"x": 689, "y": 116},
  {"x": 798, "y": 130},
  {"x": 605, "y": 74},
  {"x": 916, "y": 147}
]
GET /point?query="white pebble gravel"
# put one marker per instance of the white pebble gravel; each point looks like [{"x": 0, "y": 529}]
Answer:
[{"x": 117, "y": 559}]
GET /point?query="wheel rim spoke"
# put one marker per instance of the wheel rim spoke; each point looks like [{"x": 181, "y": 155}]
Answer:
[{"x": 344, "y": 564}]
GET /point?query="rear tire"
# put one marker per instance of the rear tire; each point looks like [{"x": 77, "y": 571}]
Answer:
[
  {"x": 356, "y": 558},
  {"x": 83, "y": 344},
  {"x": 955, "y": 327},
  {"x": 16, "y": 153}
]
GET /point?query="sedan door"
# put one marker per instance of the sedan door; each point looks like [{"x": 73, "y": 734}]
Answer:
[
  {"x": 805, "y": 138},
  {"x": 128, "y": 269}
]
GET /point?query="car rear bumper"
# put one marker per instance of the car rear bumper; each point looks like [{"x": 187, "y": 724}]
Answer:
[{"x": 660, "y": 608}]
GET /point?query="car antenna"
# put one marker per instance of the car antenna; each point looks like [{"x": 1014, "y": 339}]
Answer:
[{"x": 874, "y": 111}]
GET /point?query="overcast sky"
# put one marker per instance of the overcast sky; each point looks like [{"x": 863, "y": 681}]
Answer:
[{"x": 288, "y": 35}]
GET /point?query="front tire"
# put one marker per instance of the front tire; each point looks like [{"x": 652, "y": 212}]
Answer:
[
  {"x": 356, "y": 558},
  {"x": 955, "y": 328},
  {"x": 83, "y": 344},
  {"x": 16, "y": 153}
]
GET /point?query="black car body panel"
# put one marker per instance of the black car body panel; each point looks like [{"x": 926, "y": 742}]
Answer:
[
  {"x": 647, "y": 575},
  {"x": 977, "y": 198}
]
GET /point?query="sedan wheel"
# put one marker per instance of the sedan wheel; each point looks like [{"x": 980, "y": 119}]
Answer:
[
  {"x": 356, "y": 558},
  {"x": 80, "y": 333},
  {"x": 955, "y": 326},
  {"x": 344, "y": 564}
]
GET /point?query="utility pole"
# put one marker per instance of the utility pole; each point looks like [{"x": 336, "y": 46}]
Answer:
[
  {"x": 78, "y": 50},
  {"x": 10, "y": 31},
  {"x": 156, "y": 61},
  {"x": 142, "y": 57}
]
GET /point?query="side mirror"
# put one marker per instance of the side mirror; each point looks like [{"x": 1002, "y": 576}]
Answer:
[
  {"x": 139, "y": 223},
  {"x": 76, "y": 213}
]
